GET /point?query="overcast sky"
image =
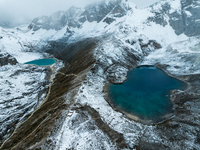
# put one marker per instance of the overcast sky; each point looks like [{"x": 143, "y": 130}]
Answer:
[{"x": 23, "y": 11}]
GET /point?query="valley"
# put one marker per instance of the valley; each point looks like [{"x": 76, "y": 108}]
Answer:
[{"x": 64, "y": 106}]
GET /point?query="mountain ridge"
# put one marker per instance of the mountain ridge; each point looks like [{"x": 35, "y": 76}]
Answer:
[{"x": 92, "y": 50}]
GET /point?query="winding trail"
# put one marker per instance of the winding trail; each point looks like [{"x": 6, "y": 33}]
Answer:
[
  {"x": 67, "y": 75},
  {"x": 32, "y": 113},
  {"x": 46, "y": 98}
]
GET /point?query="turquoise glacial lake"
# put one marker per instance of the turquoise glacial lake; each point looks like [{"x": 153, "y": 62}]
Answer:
[
  {"x": 145, "y": 93},
  {"x": 42, "y": 62}
]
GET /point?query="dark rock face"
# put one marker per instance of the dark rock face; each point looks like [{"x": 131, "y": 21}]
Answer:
[
  {"x": 176, "y": 21},
  {"x": 185, "y": 20},
  {"x": 116, "y": 74},
  {"x": 64, "y": 51},
  {"x": 159, "y": 17},
  {"x": 146, "y": 47},
  {"x": 6, "y": 58},
  {"x": 150, "y": 46},
  {"x": 75, "y": 17},
  {"x": 192, "y": 23},
  {"x": 108, "y": 20}
]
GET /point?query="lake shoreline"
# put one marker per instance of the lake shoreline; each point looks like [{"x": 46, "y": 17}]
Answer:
[
  {"x": 131, "y": 116},
  {"x": 34, "y": 62}
]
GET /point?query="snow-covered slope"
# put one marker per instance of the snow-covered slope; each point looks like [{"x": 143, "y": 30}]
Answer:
[
  {"x": 165, "y": 34},
  {"x": 22, "y": 88}
]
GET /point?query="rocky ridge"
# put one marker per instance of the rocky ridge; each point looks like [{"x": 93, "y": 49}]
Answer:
[
  {"x": 75, "y": 17},
  {"x": 183, "y": 16}
]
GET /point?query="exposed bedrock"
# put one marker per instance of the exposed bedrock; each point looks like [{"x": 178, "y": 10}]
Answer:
[
  {"x": 183, "y": 20},
  {"x": 6, "y": 58}
]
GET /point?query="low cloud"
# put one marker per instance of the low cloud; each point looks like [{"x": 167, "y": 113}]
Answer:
[{"x": 17, "y": 12}]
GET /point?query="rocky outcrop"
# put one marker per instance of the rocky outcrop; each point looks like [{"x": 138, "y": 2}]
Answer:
[
  {"x": 191, "y": 17},
  {"x": 149, "y": 47},
  {"x": 159, "y": 15},
  {"x": 6, "y": 58},
  {"x": 116, "y": 74},
  {"x": 184, "y": 19}
]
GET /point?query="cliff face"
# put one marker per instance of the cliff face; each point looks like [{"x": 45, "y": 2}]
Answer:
[
  {"x": 191, "y": 16},
  {"x": 98, "y": 45},
  {"x": 183, "y": 16}
]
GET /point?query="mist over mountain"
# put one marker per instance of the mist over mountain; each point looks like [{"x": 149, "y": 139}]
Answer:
[
  {"x": 14, "y": 13},
  {"x": 66, "y": 105},
  {"x": 20, "y": 12}
]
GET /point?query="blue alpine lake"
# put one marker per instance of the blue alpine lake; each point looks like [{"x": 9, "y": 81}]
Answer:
[
  {"x": 42, "y": 62},
  {"x": 145, "y": 93}
]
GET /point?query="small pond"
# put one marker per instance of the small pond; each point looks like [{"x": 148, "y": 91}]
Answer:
[
  {"x": 42, "y": 62},
  {"x": 145, "y": 94}
]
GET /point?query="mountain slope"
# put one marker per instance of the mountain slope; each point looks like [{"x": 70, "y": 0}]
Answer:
[{"x": 97, "y": 45}]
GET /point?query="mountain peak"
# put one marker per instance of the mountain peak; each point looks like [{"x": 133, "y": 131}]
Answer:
[{"x": 75, "y": 17}]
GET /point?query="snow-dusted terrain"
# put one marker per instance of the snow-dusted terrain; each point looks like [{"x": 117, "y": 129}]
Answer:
[
  {"x": 125, "y": 37},
  {"x": 22, "y": 87}
]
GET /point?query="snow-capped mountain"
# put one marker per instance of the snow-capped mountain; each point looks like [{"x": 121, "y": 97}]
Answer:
[{"x": 64, "y": 106}]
